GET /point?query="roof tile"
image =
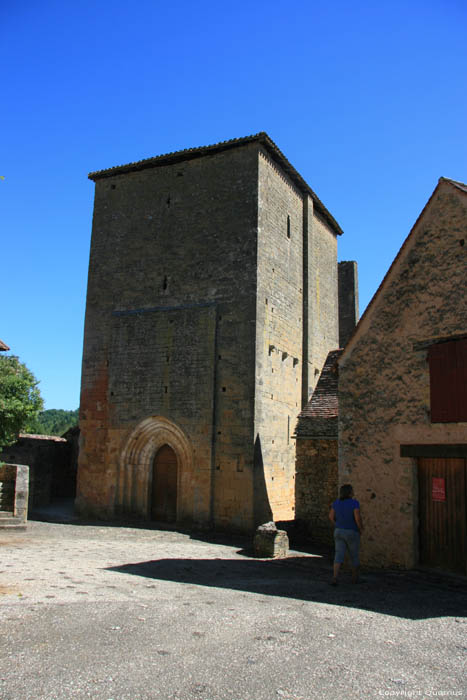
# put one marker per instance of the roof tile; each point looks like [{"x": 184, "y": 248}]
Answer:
[{"x": 319, "y": 417}]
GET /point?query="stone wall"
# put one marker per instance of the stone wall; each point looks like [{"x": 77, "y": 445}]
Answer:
[
  {"x": 316, "y": 489},
  {"x": 172, "y": 334},
  {"x": 384, "y": 387},
  {"x": 323, "y": 315},
  {"x": 52, "y": 473},
  {"x": 7, "y": 487},
  {"x": 278, "y": 332},
  {"x": 296, "y": 321}
]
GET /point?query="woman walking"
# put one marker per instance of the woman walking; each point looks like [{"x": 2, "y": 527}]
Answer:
[{"x": 345, "y": 516}]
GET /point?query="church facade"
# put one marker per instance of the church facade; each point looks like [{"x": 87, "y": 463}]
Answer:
[{"x": 212, "y": 305}]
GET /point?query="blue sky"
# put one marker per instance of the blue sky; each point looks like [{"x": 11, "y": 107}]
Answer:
[{"x": 367, "y": 100}]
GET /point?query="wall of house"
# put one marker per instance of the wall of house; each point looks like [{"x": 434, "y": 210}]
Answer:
[
  {"x": 384, "y": 390},
  {"x": 316, "y": 488},
  {"x": 170, "y": 332}
]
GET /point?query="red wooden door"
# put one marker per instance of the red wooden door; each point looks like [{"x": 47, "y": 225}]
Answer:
[
  {"x": 164, "y": 485},
  {"x": 442, "y": 513}
]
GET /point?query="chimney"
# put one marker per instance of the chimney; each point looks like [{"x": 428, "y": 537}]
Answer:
[{"x": 348, "y": 299}]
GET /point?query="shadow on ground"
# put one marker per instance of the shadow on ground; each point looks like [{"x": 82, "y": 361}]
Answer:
[
  {"x": 305, "y": 578},
  {"x": 411, "y": 594},
  {"x": 62, "y": 512}
]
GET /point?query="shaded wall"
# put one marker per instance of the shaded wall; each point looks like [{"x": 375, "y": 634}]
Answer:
[
  {"x": 316, "y": 486},
  {"x": 52, "y": 470},
  {"x": 14, "y": 485},
  {"x": 348, "y": 300}
]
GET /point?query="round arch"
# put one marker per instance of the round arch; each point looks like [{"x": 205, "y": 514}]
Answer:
[{"x": 137, "y": 457}]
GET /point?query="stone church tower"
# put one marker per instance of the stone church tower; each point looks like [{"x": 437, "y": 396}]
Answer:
[{"x": 211, "y": 308}]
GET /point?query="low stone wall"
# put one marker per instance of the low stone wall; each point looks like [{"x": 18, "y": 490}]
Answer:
[
  {"x": 316, "y": 486},
  {"x": 14, "y": 488}
]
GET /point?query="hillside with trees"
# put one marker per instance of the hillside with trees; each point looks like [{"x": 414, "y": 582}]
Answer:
[{"x": 54, "y": 421}]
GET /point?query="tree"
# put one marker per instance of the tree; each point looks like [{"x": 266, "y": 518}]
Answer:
[
  {"x": 54, "y": 421},
  {"x": 20, "y": 399}
]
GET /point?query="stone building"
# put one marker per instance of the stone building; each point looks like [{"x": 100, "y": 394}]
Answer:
[
  {"x": 212, "y": 305},
  {"x": 403, "y": 397}
]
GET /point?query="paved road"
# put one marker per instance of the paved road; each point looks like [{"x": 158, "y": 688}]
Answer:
[{"x": 125, "y": 613}]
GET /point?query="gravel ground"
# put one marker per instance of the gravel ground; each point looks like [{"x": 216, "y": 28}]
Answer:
[{"x": 126, "y": 613}]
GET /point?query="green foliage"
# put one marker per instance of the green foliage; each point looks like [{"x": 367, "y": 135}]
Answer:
[
  {"x": 20, "y": 399},
  {"x": 54, "y": 421}
]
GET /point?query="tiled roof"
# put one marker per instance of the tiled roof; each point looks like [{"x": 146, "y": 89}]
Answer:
[
  {"x": 191, "y": 153},
  {"x": 319, "y": 417},
  {"x": 3, "y": 346},
  {"x": 34, "y": 436}
]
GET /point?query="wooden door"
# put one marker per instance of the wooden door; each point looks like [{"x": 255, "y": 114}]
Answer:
[
  {"x": 442, "y": 513},
  {"x": 164, "y": 485}
]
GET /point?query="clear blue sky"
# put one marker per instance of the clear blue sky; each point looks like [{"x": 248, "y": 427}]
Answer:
[{"x": 367, "y": 100}]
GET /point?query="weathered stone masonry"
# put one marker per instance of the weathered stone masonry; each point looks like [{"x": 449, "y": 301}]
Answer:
[
  {"x": 384, "y": 382},
  {"x": 211, "y": 307}
]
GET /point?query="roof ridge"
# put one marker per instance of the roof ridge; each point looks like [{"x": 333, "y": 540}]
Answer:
[
  {"x": 456, "y": 183},
  {"x": 244, "y": 139}
]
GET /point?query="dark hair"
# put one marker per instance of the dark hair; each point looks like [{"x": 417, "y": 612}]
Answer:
[{"x": 345, "y": 491}]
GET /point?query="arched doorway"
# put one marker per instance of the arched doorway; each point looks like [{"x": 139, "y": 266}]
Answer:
[
  {"x": 138, "y": 458},
  {"x": 164, "y": 485}
]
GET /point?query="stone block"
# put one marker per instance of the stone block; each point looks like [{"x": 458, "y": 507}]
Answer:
[{"x": 270, "y": 542}]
